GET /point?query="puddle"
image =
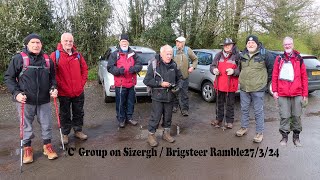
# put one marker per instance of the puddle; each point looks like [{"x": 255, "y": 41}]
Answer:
[
  {"x": 9, "y": 152},
  {"x": 313, "y": 114}
]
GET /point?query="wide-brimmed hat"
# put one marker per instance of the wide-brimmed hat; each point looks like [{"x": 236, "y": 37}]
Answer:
[{"x": 227, "y": 41}]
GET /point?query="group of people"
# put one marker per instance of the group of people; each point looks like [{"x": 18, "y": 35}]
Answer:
[{"x": 32, "y": 77}]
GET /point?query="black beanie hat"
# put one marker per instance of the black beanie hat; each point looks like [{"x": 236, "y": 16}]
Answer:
[
  {"x": 252, "y": 38},
  {"x": 124, "y": 37},
  {"x": 31, "y": 36}
]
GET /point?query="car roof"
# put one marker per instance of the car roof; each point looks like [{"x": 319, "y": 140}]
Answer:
[
  {"x": 304, "y": 56},
  {"x": 137, "y": 49}
]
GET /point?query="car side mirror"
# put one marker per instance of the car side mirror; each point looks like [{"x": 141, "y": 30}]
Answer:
[{"x": 100, "y": 58}]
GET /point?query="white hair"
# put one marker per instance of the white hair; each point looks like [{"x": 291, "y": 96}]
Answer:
[
  {"x": 66, "y": 34},
  {"x": 165, "y": 47},
  {"x": 288, "y": 39}
]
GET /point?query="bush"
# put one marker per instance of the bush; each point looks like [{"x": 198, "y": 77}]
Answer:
[{"x": 92, "y": 74}]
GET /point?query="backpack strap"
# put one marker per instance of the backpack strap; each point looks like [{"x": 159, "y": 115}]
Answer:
[
  {"x": 26, "y": 62},
  {"x": 299, "y": 57},
  {"x": 57, "y": 57},
  {"x": 46, "y": 57}
]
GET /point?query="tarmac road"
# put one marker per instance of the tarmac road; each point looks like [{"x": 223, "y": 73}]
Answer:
[{"x": 200, "y": 151}]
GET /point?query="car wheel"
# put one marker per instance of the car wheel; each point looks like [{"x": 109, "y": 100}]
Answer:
[
  {"x": 270, "y": 88},
  {"x": 208, "y": 92},
  {"x": 107, "y": 99}
]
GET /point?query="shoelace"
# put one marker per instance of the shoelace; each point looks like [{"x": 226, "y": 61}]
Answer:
[
  {"x": 49, "y": 148},
  {"x": 28, "y": 152}
]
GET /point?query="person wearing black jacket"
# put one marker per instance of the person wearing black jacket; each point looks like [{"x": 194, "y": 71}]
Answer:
[
  {"x": 30, "y": 78},
  {"x": 163, "y": 77}
]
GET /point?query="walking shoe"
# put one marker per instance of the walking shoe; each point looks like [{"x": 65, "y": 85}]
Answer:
[
  {"x": 216, "y": 123},
  {"x": 166, "y": 135},
  {"x": 80, "y": 135},
  {"x": 174, "y": 109},
  {"x": 65, "y": 139},
  {"x": 48, "y": 151},
  {"x": 132, "y": 122},
  {"x": 258, "y": 137},
  {"x": 242, "y": 131},
  {"x": 122, "y": 124},
  {"x": 229, "y": 125},
  {"x": 284, "y": 141},
  {"x": 185, "y": 113},
  {"x": 27, "y": 155},
  {"x": 296, "y": 140},
  {"x": 152, "y": 140}
]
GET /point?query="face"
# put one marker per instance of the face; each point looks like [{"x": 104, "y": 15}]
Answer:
[
  {"x": 124, "y": 44},
  {"x": 179, "y": 44},
  {"x": 288, "y": 46},
  {"x": 227, "y": 48},
  {"x": 67, "y": 42},
  {"x": 252, "y": 46},
  {"x": 34, "y": 46},
  {"x": 166, "y": 54}
]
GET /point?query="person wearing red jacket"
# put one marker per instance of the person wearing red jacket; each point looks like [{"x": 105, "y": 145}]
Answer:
[
  {"x": 224, "y": 67},
  {"x": 290, "y": 89},
  {"x": 71, "y": 75}
]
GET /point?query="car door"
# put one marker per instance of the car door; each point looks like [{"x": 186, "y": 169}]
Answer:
[{"x": 196, "y": 77}]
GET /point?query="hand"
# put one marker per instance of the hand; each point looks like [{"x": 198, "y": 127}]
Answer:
[
  {"x": 165, "y": 84},
  {"x": 121, "y": 70},
  {"x": 275, "y": 95},
  {"x": 54, "y": 93},
  {"x": 131, "y": 70},
  {"x": 21, "y": 98},
  {"x": 229, "y": 71},
  {"x": 190, "y": 69},
  {"x": 216, "y": 71},
  {"x": 304, "y": 102}
]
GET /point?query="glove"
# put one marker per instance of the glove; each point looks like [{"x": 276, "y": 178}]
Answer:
[
  {"x": 275, "y": 95},
  {"x": 131, "y": 70},
  {"x": 216, "y": 71},
  {"x": 304, "y": 102},
  {"x": 121, "y": 71},
  {"x": 229, "y": 71}
]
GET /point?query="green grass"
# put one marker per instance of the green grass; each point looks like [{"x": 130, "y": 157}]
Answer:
[
  {"x": 1, "y": 78},
  {"x": 92, "y": 74}
]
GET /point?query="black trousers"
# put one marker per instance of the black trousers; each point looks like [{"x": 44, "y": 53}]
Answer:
[
  {"x": 76, "y": 122},
  {"x": 160, "y": 110},
  {"x": 227, "y": 99}
]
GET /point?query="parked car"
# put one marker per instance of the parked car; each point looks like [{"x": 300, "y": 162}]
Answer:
[
  {"x": 313, "y": 71},
  {"x": 107, "y": 79}
]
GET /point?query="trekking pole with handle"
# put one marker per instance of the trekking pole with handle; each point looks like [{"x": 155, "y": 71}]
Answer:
[
  {"x": 59, "y": 125},
  {"x": 225, "y": 106},
  {"x": 21, "y": 135}
]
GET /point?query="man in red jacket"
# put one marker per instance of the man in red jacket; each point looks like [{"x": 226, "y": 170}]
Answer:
[
  {"x": 290, "y": 87},
  {"x": 225, "y": 67},
  {"x": 71, "y": 75}
]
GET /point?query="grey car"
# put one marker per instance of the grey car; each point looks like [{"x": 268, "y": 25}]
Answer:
[{"x": 107, "y": 80}]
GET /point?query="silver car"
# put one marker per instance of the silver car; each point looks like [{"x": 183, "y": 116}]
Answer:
[
  {"x": 107, "y": 79},
  {"x": 201, "y": 78}
]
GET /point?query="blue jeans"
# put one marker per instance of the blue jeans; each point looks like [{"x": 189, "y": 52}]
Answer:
[
  {"x": 257, "y": 98},
  {"x": 125, "y": 99}
]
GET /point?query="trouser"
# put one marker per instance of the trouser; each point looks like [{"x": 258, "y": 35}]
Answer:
[
  {"x": 76, "y": 122},
  {"x": 257, "y": 98},
  {"x": 290, "y": 112},
  {"x": 182, "y": 98},
  {"x": 44, "y": 118},
  {"x": 160, "y": 109},
  {"x": 225, "y": 100},
  {"x": 125, "y": 99}
]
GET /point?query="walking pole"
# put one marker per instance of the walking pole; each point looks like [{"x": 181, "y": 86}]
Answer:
[
  {"x": 59, "y": 125},
  {"x": 21, "y": 135},
  {"x": 225, "y": 107}
]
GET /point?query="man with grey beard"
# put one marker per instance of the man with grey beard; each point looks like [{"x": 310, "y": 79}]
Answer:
[{"x": 256, "y": 70}]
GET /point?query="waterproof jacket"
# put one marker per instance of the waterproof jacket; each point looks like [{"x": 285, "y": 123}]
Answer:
[
  {"x": 299, "y": 86},
  {"x": 182, "y": 61},
  {"x": 256, "y": 71},
  {"x": 34, "y": 82},
  {"x": 71, "y": 72},
  {"x": 119, "y": 59},
  {"x": 165, "y": 72},
  {"x": 223, "y": 82}
]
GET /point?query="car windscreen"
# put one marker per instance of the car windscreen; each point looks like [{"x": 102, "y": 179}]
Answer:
[
  {"x": 145, "y": 57},
  {"x": 311, "y": 62}
]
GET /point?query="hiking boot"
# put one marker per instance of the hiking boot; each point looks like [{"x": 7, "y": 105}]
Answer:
[
  {"x": 122, "y": 124},
  {"x": 242, "y": 131},
  {"x": 152, "y": 140},
  {"x": 216, "y": 123},
  {"x": 132, "y": 122},
  {"x": 174, "y": 109},
  {"x": 229, "y": 125},
  {"x": 80, "y": 135},
  {"x": 48, "y": 151},
  {"x": 166, "y": 135},
  {"x": 284, "y": 141},
  {"x": 27, "y": 155},
  {"x": 258, "y": 137},
  {"x": 296, "y": 140},
  {"x": 185, "y": 113},
  {"x": 65, "y": 139}
]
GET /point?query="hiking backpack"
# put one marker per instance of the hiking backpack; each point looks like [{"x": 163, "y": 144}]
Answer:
[
  {"x": 58, "y": 56},
  {"x": 185, "y": 51},
  {"x": 298, "y": 55},
  {"x": 26, "y": 63}
]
